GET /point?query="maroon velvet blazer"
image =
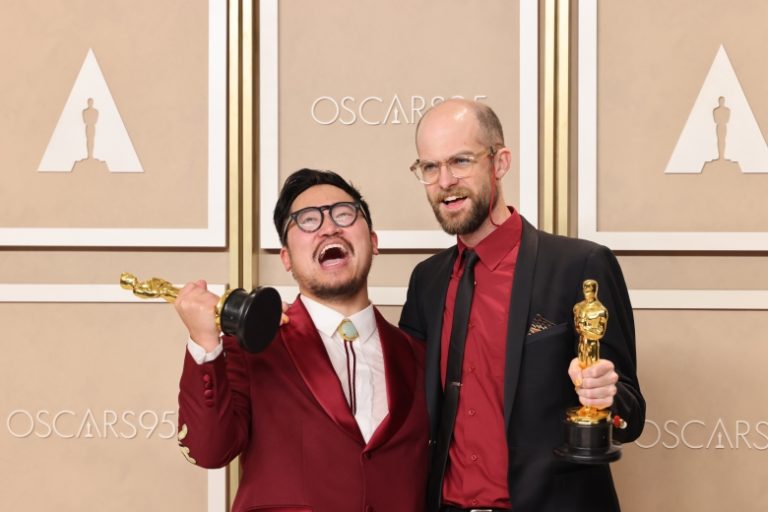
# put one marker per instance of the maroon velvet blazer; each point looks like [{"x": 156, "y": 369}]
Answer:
[{"x": 283, "y": 410}]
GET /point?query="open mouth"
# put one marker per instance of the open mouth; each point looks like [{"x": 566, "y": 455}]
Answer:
[
  {"x": 453, "y": 201},
  {"x": 332, "y": 254}
]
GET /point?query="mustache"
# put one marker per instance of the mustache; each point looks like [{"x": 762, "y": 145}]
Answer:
[{"x": 457, "y": 191}]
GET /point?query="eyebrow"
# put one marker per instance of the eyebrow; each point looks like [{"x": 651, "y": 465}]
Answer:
[{"x": 460, "y": 153}]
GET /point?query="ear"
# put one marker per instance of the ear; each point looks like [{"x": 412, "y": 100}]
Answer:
[
  {"x": 375, "y": 242},
  {"x": 285, "y": 257},
  {"x": 504, "y": 159}
]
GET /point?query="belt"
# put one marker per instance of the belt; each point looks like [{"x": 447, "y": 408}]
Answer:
[{"x": 449, "y": 508}]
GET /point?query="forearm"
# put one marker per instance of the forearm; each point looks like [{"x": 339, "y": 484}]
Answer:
[{"x": 214, "y": 406}]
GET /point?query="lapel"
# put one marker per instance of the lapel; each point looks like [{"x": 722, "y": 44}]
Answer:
[
  {"x": 400, "y": 370},
  {"x": 522, "y": 291},
  {"x": 308, "y": 354},
  {"x": 434, "y": 304}
]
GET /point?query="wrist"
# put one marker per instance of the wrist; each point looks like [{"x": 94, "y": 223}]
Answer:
[{"x": 208, "y": 342}]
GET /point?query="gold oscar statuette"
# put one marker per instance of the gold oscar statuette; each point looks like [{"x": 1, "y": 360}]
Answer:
[
  {"x": 253, "y": 318},
  {"x": 588, "y": 430}
]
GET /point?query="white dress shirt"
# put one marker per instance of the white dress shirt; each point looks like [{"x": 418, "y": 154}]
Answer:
[{"x": 370, "y": 378}]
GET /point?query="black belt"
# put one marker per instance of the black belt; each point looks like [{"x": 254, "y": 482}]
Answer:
[{"x": 449, "y": 508}]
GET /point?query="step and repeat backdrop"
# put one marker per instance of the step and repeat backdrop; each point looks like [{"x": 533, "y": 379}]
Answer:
[
  {"x": 672, "y": 173},
  {"x": 113, "y": 158}
]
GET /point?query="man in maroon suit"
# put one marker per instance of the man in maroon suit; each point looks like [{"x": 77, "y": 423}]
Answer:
[{"x": 331, "y": 417}]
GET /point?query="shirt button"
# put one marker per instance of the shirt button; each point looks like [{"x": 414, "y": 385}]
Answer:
[
  {"x": 206, "y": 378},
  {"x": 208, "y": 393},
  {"x": 472, "y": 412},
  {"x": 471, "y": 368},
  {"x": 474, "y": 457}
]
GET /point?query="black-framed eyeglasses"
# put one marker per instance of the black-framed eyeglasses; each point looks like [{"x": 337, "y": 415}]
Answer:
[
  {"x": 460, "y": 165},
  {"x": 309, "y": 219}
]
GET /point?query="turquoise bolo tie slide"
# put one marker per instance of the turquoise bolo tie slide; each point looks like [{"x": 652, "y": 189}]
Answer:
[{"x": 347, "y": 330}]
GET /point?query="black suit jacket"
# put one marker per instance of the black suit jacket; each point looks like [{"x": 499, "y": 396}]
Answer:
[{"x": 537, "y": 389}]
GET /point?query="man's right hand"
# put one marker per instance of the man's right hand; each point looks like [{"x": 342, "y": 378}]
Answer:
[{"x": 197, "y": 308}]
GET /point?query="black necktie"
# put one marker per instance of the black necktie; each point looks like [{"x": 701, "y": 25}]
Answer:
[{"x": 450, "y": 406}]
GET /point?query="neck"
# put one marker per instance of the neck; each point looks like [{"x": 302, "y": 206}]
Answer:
[
  {"x": 347, "y": 305},
  {"x": 500, "y": 213}
]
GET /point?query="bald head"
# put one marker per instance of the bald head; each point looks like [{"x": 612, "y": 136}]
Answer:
[{"x": 469, "y": 113}]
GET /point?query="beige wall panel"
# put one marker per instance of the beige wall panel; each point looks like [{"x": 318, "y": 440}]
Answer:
[
  {"x": 653, "y": 58},
  {"x": 80, "y": 267},
  {"x": 154, "y": 57},
  {"x": 704, "y": 369},
  {"x": 439, "y": 49},
  {"x": 80, "y": 358},
  {"x": 391, "y": 313},
  {"x": 691, "y": 272}
]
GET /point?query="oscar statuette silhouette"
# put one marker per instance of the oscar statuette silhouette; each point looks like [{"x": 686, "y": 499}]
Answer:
[{"x": 251, "y": 317}]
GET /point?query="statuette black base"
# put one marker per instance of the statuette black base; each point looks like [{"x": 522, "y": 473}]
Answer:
[
  {"x": 253, "y": 318},
  {"x": 588, "y": 444}
]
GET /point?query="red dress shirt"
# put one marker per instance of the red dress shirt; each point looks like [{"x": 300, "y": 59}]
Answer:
[{"x": 477, "y": 469}]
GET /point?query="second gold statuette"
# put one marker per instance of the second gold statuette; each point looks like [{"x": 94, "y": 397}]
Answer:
[{"x": 251, "y": 317}]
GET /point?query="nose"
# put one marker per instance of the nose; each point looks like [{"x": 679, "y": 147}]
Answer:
[
  {"x": 328, "y": 227},
  {"x": 446, "y": 179}
]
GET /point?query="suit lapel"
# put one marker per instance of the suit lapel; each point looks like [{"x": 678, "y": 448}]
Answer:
[
  {"x": 308, "y": 354},
  {"x": 522, "y": 291},
  {"x": 434, "y": 304},
  {"x": 400, "y": 370}
]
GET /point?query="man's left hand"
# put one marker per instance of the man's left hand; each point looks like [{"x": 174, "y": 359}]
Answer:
[{"x": 595, "y": 385}]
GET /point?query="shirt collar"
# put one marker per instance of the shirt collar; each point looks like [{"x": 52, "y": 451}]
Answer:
[
  {"x": 493, "y": 248},
  {"x": 327, "y": 319}
]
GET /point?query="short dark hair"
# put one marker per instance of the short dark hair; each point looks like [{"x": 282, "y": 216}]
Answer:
[{"x": 303, "y": 179}]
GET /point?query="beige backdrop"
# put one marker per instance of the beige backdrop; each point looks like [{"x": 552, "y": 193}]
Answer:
[
  {"x": 103, "y": 373},
  {"x": 645, "y": 93},
  {"x": 348, "y": 49},
  {"x": 357, "y": 59},
  {"x": 700, "y": 370},
  {"x": 89, "y": 409},
  {"x": 706, "y": 436},
  {"x": 154, "y": 57}
]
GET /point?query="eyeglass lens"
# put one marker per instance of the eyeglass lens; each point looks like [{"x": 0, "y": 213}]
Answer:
[{"x": 342, "y": 214}]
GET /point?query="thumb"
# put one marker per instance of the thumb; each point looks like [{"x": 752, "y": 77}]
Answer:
[{"x": 574, "y": 371}]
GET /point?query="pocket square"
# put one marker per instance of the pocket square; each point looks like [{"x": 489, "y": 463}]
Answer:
[{"x": 539, "y": 324}]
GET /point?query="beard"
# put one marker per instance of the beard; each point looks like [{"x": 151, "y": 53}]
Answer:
[
  {"x": 472, "y": 220},
  {"x": 338, "y": 289},
  {"x": 335, "y": 291}
]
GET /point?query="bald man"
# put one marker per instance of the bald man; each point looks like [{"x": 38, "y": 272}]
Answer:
[{"x": 518, "y": 371}]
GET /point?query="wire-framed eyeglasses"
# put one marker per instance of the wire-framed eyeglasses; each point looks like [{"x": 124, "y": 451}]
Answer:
[
  {"x": 309, "y": 219},
  {"x": 460, "y": 165}
]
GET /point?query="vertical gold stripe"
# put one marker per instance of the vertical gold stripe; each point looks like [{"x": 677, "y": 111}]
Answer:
[
  {"x": 562, "y": 111},
  {"x": 248, "y": 248},
  {"x": 548, "y": 131},
  {"x": 233, "y": 122},
  {"x": 235, "y": 181}
]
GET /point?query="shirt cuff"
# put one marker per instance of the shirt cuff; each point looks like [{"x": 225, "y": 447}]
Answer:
[{"x": 199, "y": 354}]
